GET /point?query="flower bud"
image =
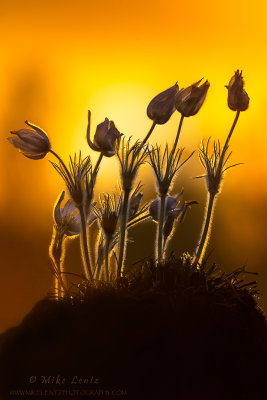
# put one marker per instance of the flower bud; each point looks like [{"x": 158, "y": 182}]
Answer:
[
  {"x": 109, "y": 223},
  {"x": 135, "y": 204},
  {"x": 106, "y": 138},
  {"x": 189, "y": 101},
  {"x": 33, "y": 143},
  {"x": 238, "y": 99},
  {"x": 161, "y": 108}
]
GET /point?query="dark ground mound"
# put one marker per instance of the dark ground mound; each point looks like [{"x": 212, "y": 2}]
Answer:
[{"x": 168, "y": 333}]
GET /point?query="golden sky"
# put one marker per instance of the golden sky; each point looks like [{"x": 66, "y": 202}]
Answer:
[{"x": 61, "y": 58}]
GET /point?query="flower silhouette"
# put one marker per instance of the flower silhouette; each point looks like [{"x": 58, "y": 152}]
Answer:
[{"x": 33, "y": 143}]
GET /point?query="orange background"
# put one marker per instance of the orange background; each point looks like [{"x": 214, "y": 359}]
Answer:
[{"x": 61, "y": 58}]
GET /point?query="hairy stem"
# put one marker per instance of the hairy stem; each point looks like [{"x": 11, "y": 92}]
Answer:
[
  {"x": 84, "y": 246},
  {"x": 160, "y": 225},
  {"x": 56, "y": 255},
  {"x": 107, "y": 257},
  {"x": 123, "y": 227},
  {"x": 204, "y": 237},
  {"x": 178, "y": 134},
  {"x": 226, "y": 144},
  {"x": 149, "y": 133}
]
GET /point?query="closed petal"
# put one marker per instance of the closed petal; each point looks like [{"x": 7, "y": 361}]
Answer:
[
  {"x": 154, "y": 209},
  {"x": 39, "y": 131},
  {"x": 68, "y": 209},
  {"x": 74, "y": 225},
  {"x": 33, "y": 139},
  {"x": 170, "y": 203},
  {"x": 101, "y": 132},
  {"x": 34, "y": 157},
  {"x": 92, "y": 145}
]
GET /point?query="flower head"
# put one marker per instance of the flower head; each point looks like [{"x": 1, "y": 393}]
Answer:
[
  {"x": 238, "y": 99},
  {"x": 173, "y": 211},
  {"x": 161, "y": 107},
  {"x": 189, "y": 101},
  {"x": 108, "y": 214},
  {"x": 33, "y": 143},
  {"x": 106, "y": 138},
  {"x": 214, "y": 162},
  {"x": 67, "y": 219},
  {"x": 171, "y": 204}
]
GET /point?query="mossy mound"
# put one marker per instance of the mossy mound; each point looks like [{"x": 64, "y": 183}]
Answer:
[{"x": 170, "y": 332}]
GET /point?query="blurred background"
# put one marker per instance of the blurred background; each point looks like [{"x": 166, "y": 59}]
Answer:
[{"x": 60, "y": 59}]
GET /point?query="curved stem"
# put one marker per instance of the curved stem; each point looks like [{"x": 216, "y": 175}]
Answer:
[
  {"x": 123, "y": 226},
  {"x": 160, "y": 225},
  {"x": 178, "y": 134},
  {"x": 149, "y": 133},
  {"x": 84, "y": 246},
  {"x": 63, "y": 164},
  {"x": 56, "y": 254},
  {"x": 201, "y": 248},
  {"x": 231, "y": 131},
  {"x": 225, "y": 147}
]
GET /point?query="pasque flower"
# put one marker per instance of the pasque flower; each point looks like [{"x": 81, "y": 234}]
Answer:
[
  {"x": 33, "y": 143},
  {"x": 106, "y": 138},
  {"x": 189, "y": 101},
  {"x": 172, "y": 212},
  {"x": 68, "y": 219},
  {"x": 238, "y": 99},
  {"x": 161, "y": 107},
  {"x": 171, "y": 204}
]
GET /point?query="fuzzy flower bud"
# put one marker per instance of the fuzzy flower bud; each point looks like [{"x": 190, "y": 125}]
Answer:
[
  {"x": 238, "y": 99},
  {"x": 189, "y": 100},
  {"x": 106, "y": 138},
  {"x": 33, "y": 143},
  {"x": 161, "y": 107},
  {"x": 135, "y": 204},
  {"x": 109, "y": 223}
]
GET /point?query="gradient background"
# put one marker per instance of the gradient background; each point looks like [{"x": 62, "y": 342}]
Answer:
[{"x": 61, "y": 58}]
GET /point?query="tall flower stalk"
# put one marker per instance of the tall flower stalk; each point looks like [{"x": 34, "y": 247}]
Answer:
[
  {"x": 165, "y": 168},
  {"x": 130, "y": 159},
  {"x": 215, "y": 163},
  {"x": 108, "y": 215},
  {"x": 67, "y": 224},
  {"x": 75, "y": 178},
  {"x": 215, "y": 166}
]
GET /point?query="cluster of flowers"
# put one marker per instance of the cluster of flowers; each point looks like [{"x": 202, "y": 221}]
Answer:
[{"x": 116, "y": 216}]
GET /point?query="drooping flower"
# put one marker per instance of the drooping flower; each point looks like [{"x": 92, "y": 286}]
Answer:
[
  {"x": 161, "y": 107},
  {"x": 106, "y": 137},
  {"x": 172, "y": 212},
  {"x": 67, "y": 219},
  {"x": 33, "y": 143},
  {"x": 171, "y": 204},
  {"x": 189, "y": 101},
  {"x": 238, "y": 99}
]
